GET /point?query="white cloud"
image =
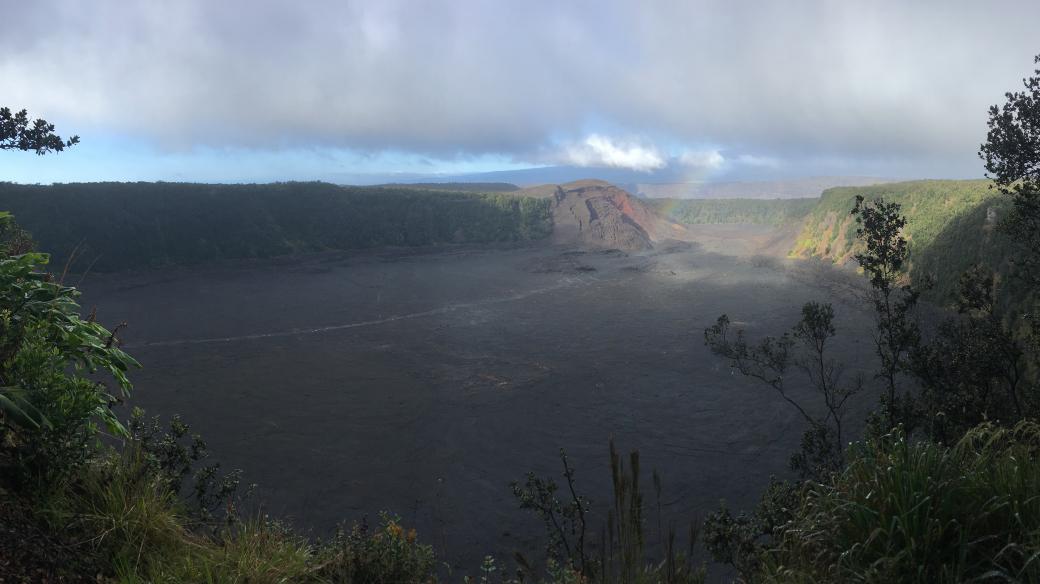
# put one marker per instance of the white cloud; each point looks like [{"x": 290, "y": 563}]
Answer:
[
  {"x": 703, "y": 159},
  {"x": 451, "y": 78},
  {"x": 758, "y": 161},
  {"x": 597, "y": 150}
]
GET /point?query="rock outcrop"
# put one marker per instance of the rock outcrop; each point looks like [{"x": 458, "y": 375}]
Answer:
[{"x": 596, "y": 213}]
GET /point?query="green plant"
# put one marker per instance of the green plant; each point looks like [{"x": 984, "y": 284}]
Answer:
[
  {"x": 565, "y": 524},
  {"x": 885, "y": 252},
  {"x": 622, "y": 551},
  {"x": 741, "y": 540},
  {"x": 975, "y": 368},
  {"x": 258, "y": 550},
  {"x": 1012, "y": 154},
  {"x": 176, "y": 453},
  {"x": 803, "y": 349},
  {"x": 909, "y": 511},
  {"x": 51, "y": 405},
  {"x": 17, "y": 132},
  {"x": 949, "y": 226},
  {"x": 389, "y": 554},
  {"x": 123, "y": 512}
]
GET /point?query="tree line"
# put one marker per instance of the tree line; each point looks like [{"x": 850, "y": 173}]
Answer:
[
  {"x": 775, "y": 212},
  {"x": 116, "y": 226}
]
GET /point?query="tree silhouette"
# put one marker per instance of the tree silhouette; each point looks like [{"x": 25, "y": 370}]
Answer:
[
  {"x": 1012, "y": 156},
  {"x": 17, "y": 132}
]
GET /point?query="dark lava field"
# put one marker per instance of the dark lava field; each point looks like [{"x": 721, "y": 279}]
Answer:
[{"x": 423, "y": 382}]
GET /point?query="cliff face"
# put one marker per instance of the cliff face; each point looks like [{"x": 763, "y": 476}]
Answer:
[
  {"x": 598, "y": 214},
  {"x": 950, "y": 227}
]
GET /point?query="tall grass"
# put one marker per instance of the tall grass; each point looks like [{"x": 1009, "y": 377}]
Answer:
[
  {"x": 905, "y": 511},
  {"x": 125, "y": 516}
]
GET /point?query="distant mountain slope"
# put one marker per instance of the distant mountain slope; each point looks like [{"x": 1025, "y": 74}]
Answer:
[
  {"x": 810, "y": 187},
  {"x": 116, "y": 226},
  {"x": 775, "y": 212},
  {"x": 950, "y": 226},
  {"x": 456, "y": 187}
]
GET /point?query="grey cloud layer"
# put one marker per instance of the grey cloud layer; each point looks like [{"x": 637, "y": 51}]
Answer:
[{"x": 847, "y": 79}]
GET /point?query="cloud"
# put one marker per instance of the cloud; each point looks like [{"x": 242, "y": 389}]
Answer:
[
  {"x": 758, "y": 161},
  {"x": 704, "y": 160},
  {"x": 451, "y": 79},
  {"x": 602, "y": 151}
]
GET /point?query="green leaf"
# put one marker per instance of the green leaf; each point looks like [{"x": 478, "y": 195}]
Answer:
[{"x": 15, "y": 408}]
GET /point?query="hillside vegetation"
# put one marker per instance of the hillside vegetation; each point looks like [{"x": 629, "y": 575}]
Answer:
[
  {"x": 951, "y": 225},
  {"x": 457, "y": 187},
  {"x": 115, "y": 226},
  {"x": 776, "y": 212}
]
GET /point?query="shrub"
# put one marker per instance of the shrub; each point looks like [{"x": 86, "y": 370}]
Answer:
[
  {"x": 176, "y": 454},
  {"x": 125, "y": 514},
  {"x": 621, "y": 556},
  {"x": 905, "y": 511},
  {"x": 256, "y": 551},
  {"x": 390, "y": 554},
  {"x": 51, "y": 408}
]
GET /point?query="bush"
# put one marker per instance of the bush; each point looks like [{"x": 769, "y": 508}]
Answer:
[
  {"x": 51, "y": 406},
  {"x": 622, "y": 556},
  {"x": 390, "y": 554},
  {"x": 126, "y": 515},
  {"x": 255, "y": 551},
  {"x": 175, "y": 455},
  {"x": 905, "y": 511}
]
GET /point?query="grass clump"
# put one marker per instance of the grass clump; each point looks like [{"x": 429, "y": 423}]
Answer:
[{"x": 906, "y": 511}]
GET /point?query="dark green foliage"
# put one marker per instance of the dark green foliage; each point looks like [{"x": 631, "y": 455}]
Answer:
[
  {"x": 622, "y": 556},
  {"x": 1012, "y": 156},
  {"x": 949, "y": 227},
  {"x": 387, "y": 555},
  {"x": 919, "y": 512},
  {"x": 881, "y": 231},
  {"x": 115, "y": 226},
  {"x": 457, "y": 187},
  {"x": 975, "y": 368},
  {"x": 174, "y": 454},
  {"x": 565, "y": 525},
  {"x": 805, "y": 350},
  {"x": 884, "y": 254},
  {"x": 624, "y": 540},
  {"x": 741, "y": 540},
  {"x": 969, "y": 239},
  {"x": 17, "y": 132},
  {"x": 51, "y": 403},
  {"x": 13, "y": 239},
  {"x": 776, "y": 212},
  {"x": 971, "y": 372}
]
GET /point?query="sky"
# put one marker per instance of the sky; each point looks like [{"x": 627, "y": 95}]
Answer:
[{"x": 376, "y": 91}]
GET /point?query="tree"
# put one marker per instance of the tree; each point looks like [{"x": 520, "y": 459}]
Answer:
[
  {"x": 51, "y": 403},
  {"x": 1012, "y": 156},
  {"x": 803, "y": 349},
  {"x": 18, "y": 133},
  {"x": 974, "y": 369},
  {"x": 881, "y": 230}
]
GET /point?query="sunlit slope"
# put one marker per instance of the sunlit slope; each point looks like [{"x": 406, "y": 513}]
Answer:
[
  {"x": 950, "y": 226},
  {"x": 775, "y": 212},
  {"x": 115, "y": 226}
]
